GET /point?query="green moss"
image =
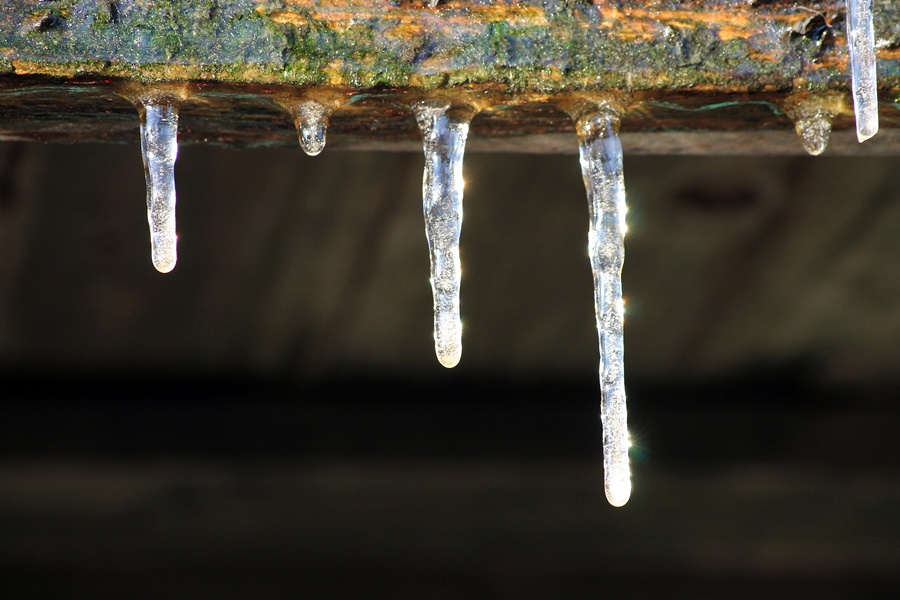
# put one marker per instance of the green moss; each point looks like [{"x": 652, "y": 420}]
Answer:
[{"x": 238, "y": 40}]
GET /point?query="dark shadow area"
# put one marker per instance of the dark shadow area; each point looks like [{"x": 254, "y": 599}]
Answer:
[{"x": 269, "y": 420}]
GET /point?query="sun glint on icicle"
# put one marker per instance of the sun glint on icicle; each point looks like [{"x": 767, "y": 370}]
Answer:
[
  {"x": 600, "y": 151},
  {"x": 861, "y": 42},
  {"x": 159, "y": 146},
  {"x": 444, "y": 129}
]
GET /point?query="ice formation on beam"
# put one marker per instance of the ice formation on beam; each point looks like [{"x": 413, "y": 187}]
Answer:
[
  {"x": 814, "y": 131},
  {"x": 601, "y": 166},
  {"x": 812, "y": 115},
  {"x": 861, "y": 41},
  {"x": 159, "y": 146},
  {"x": 444, "y": 130},
  {"x": 311, "y": 120}
]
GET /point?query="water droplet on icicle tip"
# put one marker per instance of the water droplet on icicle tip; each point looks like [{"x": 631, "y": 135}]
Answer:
[
  {"x": 861, "y": 42},
  {"x": 311, "y": 120},
  {"x": 444, "y": 132},
  {"x": 600, "y": 152},
  {"x": 814, "y": 131},
  {"x": 159, "y": 146}
]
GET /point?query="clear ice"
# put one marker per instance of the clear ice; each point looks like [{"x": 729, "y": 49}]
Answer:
[
  {"x": 861, "y": 41},
  {"x": 444, "y": 132},
  {"x": 311, "y": 120},
  {"x": 159, "y": 145},
  {"x": 600, "y": 151},
  {"x": 814, "y": 130}
]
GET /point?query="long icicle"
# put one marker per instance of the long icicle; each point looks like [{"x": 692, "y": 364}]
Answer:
[
  {"x": 861, "y": 41},
  {"x": 444, "y": 130},
  {"x": 159, "y": 146},
  {"x": 601, "y": 166}
]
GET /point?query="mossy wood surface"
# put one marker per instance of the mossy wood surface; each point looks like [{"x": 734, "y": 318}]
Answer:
[{"x": 724, "y": 65}]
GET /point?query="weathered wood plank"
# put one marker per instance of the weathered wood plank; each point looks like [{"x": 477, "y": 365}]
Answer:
[
  {"x": 529, "y": 46},
  {"x": 699, "y": 66}
]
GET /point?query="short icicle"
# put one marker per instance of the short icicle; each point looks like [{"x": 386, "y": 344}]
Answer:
[
  {"x": 444, "y": 129},
  {"x": 814, "y": 131},
  {"x": 812, "y": 116},
  {"x": 311, "y": 120},
  {"x": 601, "y": 167},
  {"x": 159, "y": 145},
  {"x": 861, "y": 42}
]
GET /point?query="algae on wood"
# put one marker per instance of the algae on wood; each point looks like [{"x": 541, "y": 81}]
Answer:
[{"x": 678, "y": 59}]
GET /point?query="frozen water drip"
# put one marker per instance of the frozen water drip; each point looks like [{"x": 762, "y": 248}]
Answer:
[
  {"x": 159, "y": 146},
  {"x": 861, "y": 42},
  {"x": 600, "y": 151},
  {"x": 311, "y": 120},
  {"x": 813, "y": 114},
  {"x": 444, "y": 129},
  {"x": 814, "y": 131}
]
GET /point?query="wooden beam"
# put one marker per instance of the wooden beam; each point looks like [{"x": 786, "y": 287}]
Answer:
[{"x": 686, "y": 66}]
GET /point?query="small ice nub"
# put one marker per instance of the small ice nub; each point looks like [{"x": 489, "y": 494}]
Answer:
[
  {"x": 159, "y": 146},
  {"x": 311, "y": 120},
  {"x": 861, "y": 42},
  {"x": 444, "y": 134},
  {"x": 814, "y": 131},
  {"x": 600, "y": 151}
]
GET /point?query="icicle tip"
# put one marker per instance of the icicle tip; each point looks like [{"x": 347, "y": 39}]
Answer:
[
  {"x": 618, "y": 492},
  {"x": 449, "y": 359},
  {"x": 164, "y": 265},
  {"x": 864, "y": 133}
]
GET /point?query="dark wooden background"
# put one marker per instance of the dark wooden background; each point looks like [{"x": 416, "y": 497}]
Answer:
[{"x": 269, "y": 420}]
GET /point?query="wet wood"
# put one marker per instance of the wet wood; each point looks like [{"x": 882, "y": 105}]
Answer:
[{"x": 686, "y": 66}]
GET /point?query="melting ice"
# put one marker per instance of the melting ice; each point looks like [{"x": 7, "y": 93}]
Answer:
[
  {"x": 311, "y": 119},
  {"x": 601, "y": 166},
  {"x": 159, "y": 145},
  {"x": 812, "y": 116},
  {"x": 861, "y": 41},
  {"x": 814, "y": 131},
  {"x": 444, "y": 130}
]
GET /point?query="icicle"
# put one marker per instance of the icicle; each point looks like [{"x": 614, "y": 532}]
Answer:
[
  {"x": 814, "y": 131},
  {"x": 311, "y": 110},
  {"x": 444, "y": 129},
  {"x": 861, "y": 41},
  {"x": 812, "y": 115},
  {"x": 159, "y": 145},
  {"x": 601, "y": 167},
  {"x": 311, "y": 120}
]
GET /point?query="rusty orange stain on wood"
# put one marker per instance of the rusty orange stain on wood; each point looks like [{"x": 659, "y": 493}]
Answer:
[
  {"x": 284, "y": 18},
  {"x": 627, "y": 24},
  {"x": 888, "y": 53},
  {"x": 406, "y": 31},
  {"x": 630, "y": 24},
  {"x": 346, "y": 10}
]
